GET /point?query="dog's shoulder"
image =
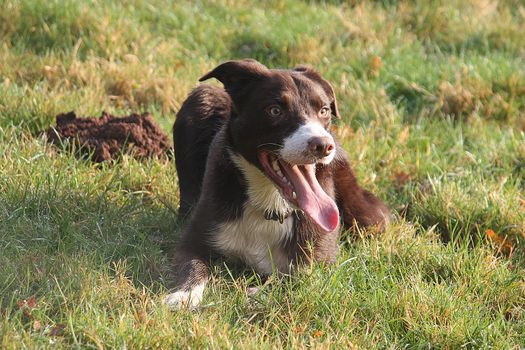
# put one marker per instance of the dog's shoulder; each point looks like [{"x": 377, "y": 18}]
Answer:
[{"x": 207, "y": 99}]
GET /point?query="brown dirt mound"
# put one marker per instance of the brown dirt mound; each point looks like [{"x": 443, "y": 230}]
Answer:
[{"x": 108, "y": 137}]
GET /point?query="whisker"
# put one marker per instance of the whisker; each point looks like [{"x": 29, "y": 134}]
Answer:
[{"x": 270, "y": 144}]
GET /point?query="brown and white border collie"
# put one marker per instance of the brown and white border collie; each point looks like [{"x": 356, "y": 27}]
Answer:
[{"x": 261, "y": 177}]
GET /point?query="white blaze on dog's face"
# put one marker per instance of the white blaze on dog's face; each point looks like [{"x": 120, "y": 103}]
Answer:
[{"x": 309, "y": 138}]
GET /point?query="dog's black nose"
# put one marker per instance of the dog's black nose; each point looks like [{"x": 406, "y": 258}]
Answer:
[{"x": 321, "y": 146}]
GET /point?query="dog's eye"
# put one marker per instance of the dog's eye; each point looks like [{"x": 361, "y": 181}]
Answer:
[
  {"x": 274, "y": 111},
  {"x": 324, "y": 112}
]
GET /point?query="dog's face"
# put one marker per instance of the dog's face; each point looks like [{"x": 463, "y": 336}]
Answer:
[{"x": 280, "y": 124}]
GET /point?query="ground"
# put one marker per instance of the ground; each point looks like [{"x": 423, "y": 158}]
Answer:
[{"x": 432, "y": 95}]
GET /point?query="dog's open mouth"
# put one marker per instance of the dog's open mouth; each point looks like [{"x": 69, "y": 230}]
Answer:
[{"x": 299, "y": 185}]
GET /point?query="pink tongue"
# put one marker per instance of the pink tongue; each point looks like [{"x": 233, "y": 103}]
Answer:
[{"x": 311, "y": 198}]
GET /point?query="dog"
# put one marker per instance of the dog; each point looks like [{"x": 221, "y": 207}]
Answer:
[{"x": 261, "y": 176}]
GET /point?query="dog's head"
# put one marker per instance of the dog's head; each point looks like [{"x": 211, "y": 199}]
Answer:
[{"x": 280, "y": 124}]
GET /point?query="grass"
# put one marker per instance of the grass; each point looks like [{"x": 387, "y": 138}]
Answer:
[{"x": 432, "y": 95}]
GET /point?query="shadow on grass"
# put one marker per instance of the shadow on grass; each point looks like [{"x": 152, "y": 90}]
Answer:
[{"x": 49, "y": 236}]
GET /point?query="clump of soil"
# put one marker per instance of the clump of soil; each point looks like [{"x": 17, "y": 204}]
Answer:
[{"x": 108, "y": 137}]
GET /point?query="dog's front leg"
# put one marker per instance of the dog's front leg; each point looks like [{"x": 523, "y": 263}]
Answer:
[{"x": 190, "y": 277}]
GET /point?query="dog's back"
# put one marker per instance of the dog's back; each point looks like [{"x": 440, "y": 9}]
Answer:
[{"x": 202, "y": 114}]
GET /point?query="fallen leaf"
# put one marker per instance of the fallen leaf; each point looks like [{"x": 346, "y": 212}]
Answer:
[
  {"x": 26, "y": 305},
  {"x": 403, "y": 135},
  {"x": 401, "y": 178},
  {"x": 299, "y": 329},
  {"x": 37, "y": 325},
  {"x": 317, "y": 334},
  {"x": 505, "y": 245},
  {"x": 31, "y": 302},
  {"x": 374, "y": 65},
  {"x": 57, "y": 330}
]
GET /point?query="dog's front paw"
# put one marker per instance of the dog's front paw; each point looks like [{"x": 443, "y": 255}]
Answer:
[{"x": 190, "y": 298}]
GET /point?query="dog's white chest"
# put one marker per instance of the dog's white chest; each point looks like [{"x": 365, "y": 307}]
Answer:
[
  {"x": 254, "y": 239},
  {"x": 257, "y": 241}
]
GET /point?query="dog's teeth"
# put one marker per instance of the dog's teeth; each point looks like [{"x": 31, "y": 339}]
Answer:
[
  {"x": 280, "y": 173},
  {"x": 294, "y": 195},
  {"x": 276, "y": 166}
]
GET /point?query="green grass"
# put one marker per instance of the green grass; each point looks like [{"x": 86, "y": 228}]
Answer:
[{"x": 432, "y": 95}]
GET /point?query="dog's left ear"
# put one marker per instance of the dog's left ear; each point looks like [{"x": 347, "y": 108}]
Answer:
[
  {"x": 234, "y": 75},
  {"x": 237, "y": 76},
  {"x": 327, "y": 87}
]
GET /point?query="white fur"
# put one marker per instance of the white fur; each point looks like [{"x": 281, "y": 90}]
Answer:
[
  {"x": 295, "y": 146},
  {"x": 190, "y": 298},
  {"x": 262, "y": 192},
  {"x": 257, "y": 241}
]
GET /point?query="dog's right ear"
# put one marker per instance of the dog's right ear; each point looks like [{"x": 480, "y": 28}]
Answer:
[
  {"x": 234, "y": 74},
  {"x": 315, "y": 76}
]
